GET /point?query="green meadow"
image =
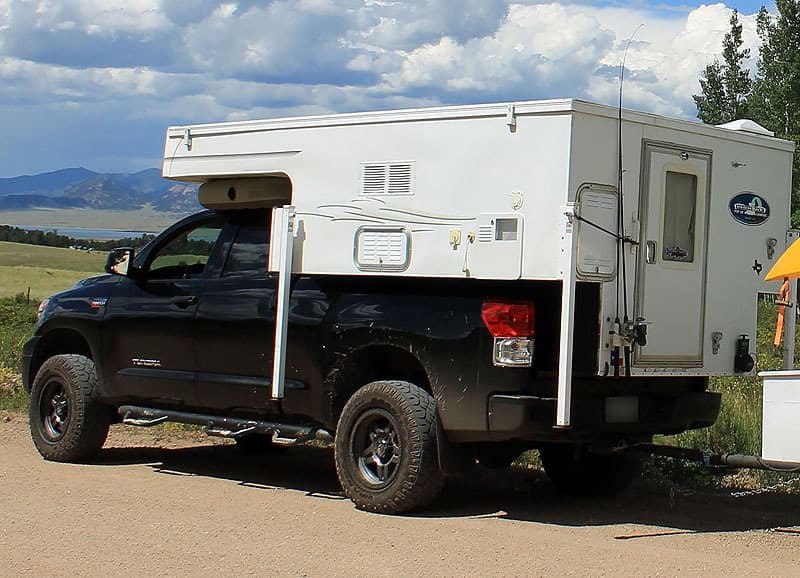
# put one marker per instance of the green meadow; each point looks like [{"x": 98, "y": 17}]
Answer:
[{"x": 41, "y": 271}]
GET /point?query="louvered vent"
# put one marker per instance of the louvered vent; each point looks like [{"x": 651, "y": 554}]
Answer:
[
  {"x": 387, "y": 179},
  {"x": 598, "y": 265},
  {"x": 485, "y": 233},
  {"x": 373, "y": 180},
  {"x": 382, "y": 248},
  {"x": 601, "y": 201}
]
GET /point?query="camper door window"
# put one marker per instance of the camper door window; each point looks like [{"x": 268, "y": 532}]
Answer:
[{"x": 680, "y": 201}]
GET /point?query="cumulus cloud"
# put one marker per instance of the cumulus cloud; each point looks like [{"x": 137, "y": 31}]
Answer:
[
  {"x": 301, "y": 41},
  {"x": 533, "y": 53},
  {"x": 83, "y": 33},
  {"x": 149, "y": 63},
  {"x": 664, "y": 62},
  {"x": 400, "y": 25}
]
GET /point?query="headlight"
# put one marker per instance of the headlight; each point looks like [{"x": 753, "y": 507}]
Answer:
[{"x": 43, "y": 306}]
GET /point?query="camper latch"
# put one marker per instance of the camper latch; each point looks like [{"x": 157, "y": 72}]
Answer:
[
  {"x": 716, "y": 340},
  {"x": 511, "y": 118},
  {"x": 771, "y": 243}
]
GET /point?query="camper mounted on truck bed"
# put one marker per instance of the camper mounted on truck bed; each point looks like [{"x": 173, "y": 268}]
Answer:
[{"x": 429, "y": 288}]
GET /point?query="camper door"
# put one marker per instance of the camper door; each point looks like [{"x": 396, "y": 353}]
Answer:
[{"x": 670, "y": 291}]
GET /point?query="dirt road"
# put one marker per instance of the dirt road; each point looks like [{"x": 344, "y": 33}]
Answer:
[{"x": 196, "y": 507}]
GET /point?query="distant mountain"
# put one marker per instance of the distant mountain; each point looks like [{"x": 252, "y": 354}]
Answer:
[
  {"x": 148, "y": 181},
  {"x": 83, "y": 188},
  {"x": 106, "y": 192},
  {"x": 52, "y": 183},
  {"x": 179, "y": 198}
]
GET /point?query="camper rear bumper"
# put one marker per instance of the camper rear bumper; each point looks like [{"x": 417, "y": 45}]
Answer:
[{"x": 533, "y": 418}]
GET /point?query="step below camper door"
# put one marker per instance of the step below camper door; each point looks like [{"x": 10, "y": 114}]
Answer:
[{"x": 670, "y": 284}]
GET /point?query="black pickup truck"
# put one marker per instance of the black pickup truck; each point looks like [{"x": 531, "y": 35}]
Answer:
[{"x": 412, "y": 378}]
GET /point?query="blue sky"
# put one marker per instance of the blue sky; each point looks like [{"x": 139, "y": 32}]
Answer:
[{"x": 94, "y": 83}]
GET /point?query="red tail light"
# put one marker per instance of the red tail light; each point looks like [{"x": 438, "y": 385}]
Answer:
[{"x": 509, "y": 318}]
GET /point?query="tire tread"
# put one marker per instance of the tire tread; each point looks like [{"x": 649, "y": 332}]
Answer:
[
  {"x": 423, "y": 480},
  {"x": 89, "y": 420}
]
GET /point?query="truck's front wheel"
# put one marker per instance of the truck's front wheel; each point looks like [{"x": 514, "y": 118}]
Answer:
[
  {"x": 67, "y": 425},
  {"x": 386, "y": 448}
]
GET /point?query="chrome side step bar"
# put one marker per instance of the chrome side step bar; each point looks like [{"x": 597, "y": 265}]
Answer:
[{"x": 226, "y": 427}]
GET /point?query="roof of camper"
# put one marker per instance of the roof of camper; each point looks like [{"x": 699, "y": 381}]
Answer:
[{"x": 527, "y": 108}]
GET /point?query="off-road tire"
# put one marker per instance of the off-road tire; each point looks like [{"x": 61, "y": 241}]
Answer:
[
  {"x": 385, "y": 448},
  {"x": 67, "y": 425},
  {"x": 578, "y": 472}
]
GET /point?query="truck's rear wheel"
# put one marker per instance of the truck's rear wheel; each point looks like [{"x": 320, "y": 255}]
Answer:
[
  {"x": 577, "y": 471},
  {"x": 386, "y": 448},
  {"x": 67, "y": 425}
]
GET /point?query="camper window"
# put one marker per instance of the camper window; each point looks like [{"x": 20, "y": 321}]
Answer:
[{"x": 680, "y": 199}]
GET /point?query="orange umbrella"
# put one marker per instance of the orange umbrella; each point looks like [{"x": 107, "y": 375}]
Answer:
[{"x": 788, "y": 265}]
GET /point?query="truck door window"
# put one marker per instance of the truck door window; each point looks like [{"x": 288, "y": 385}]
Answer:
[
  {"x": 186, "y": 255},
  {"x": 248, "y": 255},
  {"x": 680, "y": 200}
]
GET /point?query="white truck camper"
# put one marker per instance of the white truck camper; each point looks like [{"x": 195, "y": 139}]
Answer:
[{"x": 658, "y": 229}]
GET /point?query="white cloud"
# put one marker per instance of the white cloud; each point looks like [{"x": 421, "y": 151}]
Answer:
[
  {"x": 106, "y": 17},
  {"x": 161, "y": 62},
  {"x": 284, "y": 40},
  {"x": 664, "y": 62},
  {"x": 551, "y": 50},
  {"x": 400, "y": 25}
]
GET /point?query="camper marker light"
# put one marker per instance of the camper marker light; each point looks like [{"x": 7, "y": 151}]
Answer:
[{"x": 511, "y": 323}]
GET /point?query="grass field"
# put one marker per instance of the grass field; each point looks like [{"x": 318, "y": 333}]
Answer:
[
  {"x": 44, "y": 270},
  {"x": 17, "y": 318}
]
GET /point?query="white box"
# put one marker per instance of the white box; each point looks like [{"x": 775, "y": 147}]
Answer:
[{"x": 781, "y": 427}]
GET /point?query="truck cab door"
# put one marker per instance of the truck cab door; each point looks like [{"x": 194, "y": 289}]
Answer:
[
  {"x": 235, "y": 325},
  {"x": 235, "y": 331},
  {"x": 671, "y": 279},
  {"x": 150, "y": 320}
]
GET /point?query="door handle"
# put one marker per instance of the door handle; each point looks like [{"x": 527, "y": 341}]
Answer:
[
  {"x": 650, "y": 256},
  {"x": 186, "y": 301}
]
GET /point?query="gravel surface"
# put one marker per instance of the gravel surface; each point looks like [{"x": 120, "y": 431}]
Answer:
[{"x": 171, "y": 502}]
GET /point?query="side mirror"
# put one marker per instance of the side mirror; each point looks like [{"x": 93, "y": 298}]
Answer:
[{"x": 119, "y": 261}]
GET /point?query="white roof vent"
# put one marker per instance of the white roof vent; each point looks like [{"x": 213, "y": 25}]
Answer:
[{"x": 746, "y": 125}]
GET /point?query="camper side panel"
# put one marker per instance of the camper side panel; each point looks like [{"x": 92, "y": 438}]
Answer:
[{"x": 456, "y": 197}]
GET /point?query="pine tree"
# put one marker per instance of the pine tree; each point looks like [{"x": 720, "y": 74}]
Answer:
[
  {"x": 726, "y": 85},
  {"x": 775, "y": 100}
]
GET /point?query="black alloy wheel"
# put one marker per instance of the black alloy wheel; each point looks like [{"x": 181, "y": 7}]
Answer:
[{"x": 385, "y": 448}]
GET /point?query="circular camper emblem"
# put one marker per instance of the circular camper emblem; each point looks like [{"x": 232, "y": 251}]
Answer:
[{"x": 749, "y": 208}]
